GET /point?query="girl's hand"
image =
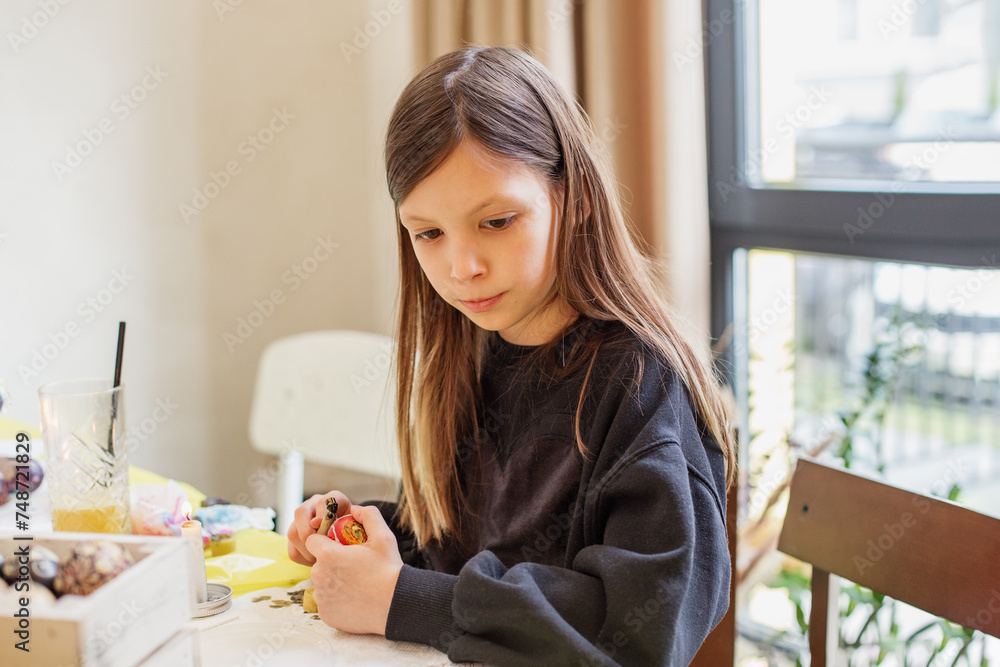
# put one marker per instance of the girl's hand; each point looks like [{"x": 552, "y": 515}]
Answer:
[
  {"x": 354, "y": 584},
  {"x": 308, "y": 516}
]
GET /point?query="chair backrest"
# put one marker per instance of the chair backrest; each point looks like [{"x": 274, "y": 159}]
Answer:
[
  {"x": 719, "y": 648},
  {"x": 929, "y": 553},
  {"x": 328, "y": 395}
]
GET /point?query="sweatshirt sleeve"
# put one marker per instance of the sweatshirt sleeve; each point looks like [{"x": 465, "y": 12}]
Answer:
[{"x": 646, "y": 592}]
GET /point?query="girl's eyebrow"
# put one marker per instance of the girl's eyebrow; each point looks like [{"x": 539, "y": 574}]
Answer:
[{"x": 489, "y": 202}]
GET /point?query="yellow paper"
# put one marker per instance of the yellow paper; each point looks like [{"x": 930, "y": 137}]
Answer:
[
  {"x": 10, "y": 428},
  {"x": 261, "y": 561}
]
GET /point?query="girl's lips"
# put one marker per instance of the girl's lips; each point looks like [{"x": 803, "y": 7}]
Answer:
[{"x": 484, "y": 305}]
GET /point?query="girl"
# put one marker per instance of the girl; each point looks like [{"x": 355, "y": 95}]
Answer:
[{"x": 565, "y": 452}]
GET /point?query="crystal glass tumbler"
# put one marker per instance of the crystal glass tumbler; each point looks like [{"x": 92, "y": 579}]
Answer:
[{"x": 83, "y": 424}]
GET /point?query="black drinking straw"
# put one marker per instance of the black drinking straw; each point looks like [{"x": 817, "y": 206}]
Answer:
[
  {"x": 118, "y": 358},
  {"x": 118, "y": 381}
]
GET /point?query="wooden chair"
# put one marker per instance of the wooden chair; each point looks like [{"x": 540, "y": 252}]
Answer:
[
  {"x": 924, "y": 551},
  {"x": 719, "y": 649}
]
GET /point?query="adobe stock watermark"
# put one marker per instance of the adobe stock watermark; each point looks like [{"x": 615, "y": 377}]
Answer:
[
  {"x": 989, "y": 611},
  {"x": 782, "y": 304},
  {"x": 612, "y": 129},
  {"x": 264, "y": 309},
  {"x": 104, "y": 637},
  {"x": 549, "y": 537},
  {"x": 968, "y": 290},
  {"x": 787, "y": 125},
  {"x": 893, "y": 533},
  {"x": 803, "y": 113},
  {"x": 694, "y": 46},
  {"x": 956, "y": 473},
  {"x": 140, "y": 431},
  {"x": 249, "y": 148},
  {"x": 561, "y": 12},
  {"x": 764, "y": 490},
  {"x": 470, "y": 443},
  {"x": 121, "y": 108},
  {"x": 869, "y": 215},
  {"x": 271, "y": 643},
  {"x": 266, "y": 476},
  {"x": 223, "y": 7},
  {"x": 88, "y": 310},
  {"x": 460, "y": 619},
  {"x": 890, "y": 536},
  {"x": 901, "y": 13},
  {"x": 635, "y": 620},
  {"x": 33, "y": 24},
  {"x": 374, "y": 368},
  {"x": 363, "y": 35}
]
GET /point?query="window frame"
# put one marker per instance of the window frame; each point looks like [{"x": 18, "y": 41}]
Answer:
[{"x": 945, "y": 224}]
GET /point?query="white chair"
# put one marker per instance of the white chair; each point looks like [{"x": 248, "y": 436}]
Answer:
[{"x": 327, "y": 397}]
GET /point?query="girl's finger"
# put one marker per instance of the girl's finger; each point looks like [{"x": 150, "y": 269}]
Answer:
[
  {"x": 308, "y": 517},
  {"x": 373, "y": 522},
  {"x": 320, "y": 544},
  {"x": 305, "y": 523},
  {"x": 343, "y": 504},
  {"x": 297, "y": 551}
]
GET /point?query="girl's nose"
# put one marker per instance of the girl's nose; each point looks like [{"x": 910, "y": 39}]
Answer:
[{"x": 466, "y": 262}]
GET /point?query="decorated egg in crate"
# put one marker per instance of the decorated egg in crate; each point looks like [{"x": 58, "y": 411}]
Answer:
[
  {"x": 31, "y": 476},
  {"x": 90, "y": 565}
]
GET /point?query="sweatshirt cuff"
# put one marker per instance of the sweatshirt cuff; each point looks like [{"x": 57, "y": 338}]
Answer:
[{"x": 421, "y": 608}]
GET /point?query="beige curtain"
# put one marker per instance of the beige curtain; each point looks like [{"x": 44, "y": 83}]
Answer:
[{"x": 631, "y": 65}]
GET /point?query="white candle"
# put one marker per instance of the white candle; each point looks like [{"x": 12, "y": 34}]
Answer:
[{"x": 191, "y": 531}]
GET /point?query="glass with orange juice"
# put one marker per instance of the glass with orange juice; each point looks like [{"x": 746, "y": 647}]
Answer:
[{"x": 86, "y": 464}]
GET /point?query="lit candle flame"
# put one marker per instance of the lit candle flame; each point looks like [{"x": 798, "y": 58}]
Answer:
[{"x": 186, "y": 510}]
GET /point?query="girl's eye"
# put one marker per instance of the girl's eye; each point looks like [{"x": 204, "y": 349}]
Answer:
[
  {"x": 494, "y": 225},
  {"x": 499, "y": 224},
  {"x": 429, "y": 235}
]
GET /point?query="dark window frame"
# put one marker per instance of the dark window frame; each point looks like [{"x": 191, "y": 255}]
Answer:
[
  {"x": 928, "y": 223},
  {"x": 949, "y": 224}
]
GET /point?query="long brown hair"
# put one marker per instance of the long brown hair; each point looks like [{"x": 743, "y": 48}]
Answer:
[{"x": 504, "y": 102}]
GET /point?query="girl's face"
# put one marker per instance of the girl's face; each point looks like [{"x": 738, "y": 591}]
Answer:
[{"x": 484, "y": 232}]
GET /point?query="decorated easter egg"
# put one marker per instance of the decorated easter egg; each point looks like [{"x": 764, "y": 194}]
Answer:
[
  {"x": 347, "y": 531},
  {"x": 91, "y": 565},
  {"x": 43, "y": 565},
  {"x": 30, "y": 478},
  {"x": 8, "y": 567}
]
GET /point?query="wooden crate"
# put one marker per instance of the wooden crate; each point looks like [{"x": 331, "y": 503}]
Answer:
[{"x": 120, "y": 624}]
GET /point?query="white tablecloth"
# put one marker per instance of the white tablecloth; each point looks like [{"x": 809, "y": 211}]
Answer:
[{"x": 346, "y": 648}]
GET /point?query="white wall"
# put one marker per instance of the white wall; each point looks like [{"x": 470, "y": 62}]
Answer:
[{"x": 188, "y": 281}]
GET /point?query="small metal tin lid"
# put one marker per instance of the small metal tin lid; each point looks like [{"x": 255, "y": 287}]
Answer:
[{"x": 220, "y": 598}]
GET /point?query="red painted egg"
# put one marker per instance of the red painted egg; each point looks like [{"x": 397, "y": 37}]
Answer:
[{"x": 347, "y": 531}]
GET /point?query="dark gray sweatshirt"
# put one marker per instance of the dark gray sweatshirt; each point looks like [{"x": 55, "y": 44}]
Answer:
[{"x": 617, "y": 558}]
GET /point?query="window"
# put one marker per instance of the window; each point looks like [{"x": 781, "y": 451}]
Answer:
[
  {"x": 880, "y": 90},
  {"x": 854, "y": 177}
]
